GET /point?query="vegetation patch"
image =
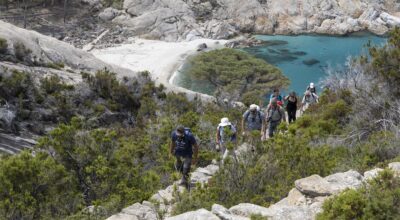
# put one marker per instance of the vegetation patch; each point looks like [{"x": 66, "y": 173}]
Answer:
[{"x": 236, "y": 75}]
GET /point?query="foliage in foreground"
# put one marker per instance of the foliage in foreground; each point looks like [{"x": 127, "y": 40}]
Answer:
[
  {"x": 379, "y": 199},
  {"x": 108, "y": 164}
]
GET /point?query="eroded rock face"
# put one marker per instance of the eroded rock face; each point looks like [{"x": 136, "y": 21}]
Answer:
[
  {"x": 33, "y": 49},
  {"x": 182, "y": 19}
]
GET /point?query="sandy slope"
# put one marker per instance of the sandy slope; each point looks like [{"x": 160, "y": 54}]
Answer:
[{"x": 161, "y": 59}]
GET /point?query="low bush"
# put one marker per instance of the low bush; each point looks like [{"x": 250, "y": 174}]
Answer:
[{"x": 380, "y": 199}]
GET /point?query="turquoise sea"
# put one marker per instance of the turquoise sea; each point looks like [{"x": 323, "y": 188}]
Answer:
[{"x": 303, "y": 59}]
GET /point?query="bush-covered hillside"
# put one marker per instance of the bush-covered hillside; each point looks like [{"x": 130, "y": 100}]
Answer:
[{"x": 109, "y": 147}]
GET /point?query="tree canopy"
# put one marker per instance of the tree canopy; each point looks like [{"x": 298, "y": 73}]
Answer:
[{"x": 237, "y": 75}]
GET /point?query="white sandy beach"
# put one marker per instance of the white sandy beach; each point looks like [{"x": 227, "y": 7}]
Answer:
[{"x": 161, "y": 59}]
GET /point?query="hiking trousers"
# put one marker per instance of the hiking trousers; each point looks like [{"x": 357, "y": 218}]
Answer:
[
  {"x": 272, "y": 127},
  {"x": 182, "y": 164},
  {"x": 291, "y": 115}
]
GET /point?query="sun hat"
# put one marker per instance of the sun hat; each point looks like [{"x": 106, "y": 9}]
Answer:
[
  {"x": 224, "y": 122},
  {"x": 253, "y": 107}
]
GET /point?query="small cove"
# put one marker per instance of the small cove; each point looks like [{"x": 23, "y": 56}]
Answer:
[{"x": 303, "y": 58}]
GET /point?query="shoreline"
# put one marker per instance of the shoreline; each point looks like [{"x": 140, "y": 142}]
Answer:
[{"x": 162, "y": 59}]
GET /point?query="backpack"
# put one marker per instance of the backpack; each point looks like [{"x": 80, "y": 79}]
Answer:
[
  {"x": 312, "y": 90},
  {"x": 182, "y": 145},
  {"x": 220, "y": 132},
  {"x": 270, "y": 116},
  {"x": 259, "y": 116}
]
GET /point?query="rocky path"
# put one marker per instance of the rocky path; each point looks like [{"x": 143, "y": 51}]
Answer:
[{"x": 303, "y": 202}]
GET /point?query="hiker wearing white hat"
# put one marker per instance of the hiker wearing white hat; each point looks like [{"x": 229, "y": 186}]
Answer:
[
  {"x": 226, "y": 133},
  {"x": 312, "y": 88},
  {"x": 253, "y": 119}
]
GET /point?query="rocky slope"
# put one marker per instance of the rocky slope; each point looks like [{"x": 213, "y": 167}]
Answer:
[
  {"x": 174, "y": 20},
  {"x": 303, "y": 202},
  {"x": 33, "y": 49},
  {"x": 39, "y": 56}
]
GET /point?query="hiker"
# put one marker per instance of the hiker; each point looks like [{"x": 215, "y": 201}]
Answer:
[
  {"x": 291, "y": 106},
  {"x": 226, "y": 133},
  {"x": 185, "y": 148},
  {"x": 275, "y": 114},
  {"x": 308, "y": 99},
  {"x": 253, "y": 119},
  {"x": 276, "y": 94},
  {"x": 312, "y": 88}
]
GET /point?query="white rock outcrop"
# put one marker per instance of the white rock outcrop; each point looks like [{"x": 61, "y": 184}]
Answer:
[
  {"x": 34, "y": 48},
  {"x": 175, "y": 20}
]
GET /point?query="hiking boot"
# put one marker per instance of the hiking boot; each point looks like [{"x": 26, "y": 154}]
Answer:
[{"x": 183, "y": 182}]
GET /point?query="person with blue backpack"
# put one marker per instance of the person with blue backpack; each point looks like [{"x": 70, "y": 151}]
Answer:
[
  {"x": 185, "y": 149},
  {"x": 226, "y": 133}
]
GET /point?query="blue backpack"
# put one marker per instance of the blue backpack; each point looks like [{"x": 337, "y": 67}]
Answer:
[{"x": 182, "y": 145}]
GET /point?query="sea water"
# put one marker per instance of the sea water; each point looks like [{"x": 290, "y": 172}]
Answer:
[{"x": 303, "y": 59}]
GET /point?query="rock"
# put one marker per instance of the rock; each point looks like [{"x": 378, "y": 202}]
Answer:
[
  {"x": 7, "y": 118},
  {"x": 391, "y": 20},
  {"x": 108, "y": 14},
  {"x": 200, "y": 214},
  {"x": 395, "y": 166},
  {"x": 44, "y": 49},
  {"x": 202, "y": 47},
  {"x": 166, "y": 195},
  {"x": 178, "y": 19},
  {"x": 292, "y": 213},
  {"x": 224, "y": 214},
  {"x": 122, "y": 216},
  {"x": 341, "y": 181},
  {"x": 314, "y": 186},
  {"x": 311, "y": 62},
  {"x": 247, "y": 209},
  {"x": 142, "y": 212},
  {"x": 295, "y": 197},
  {"x": 370, "y": 174},
  {"x": 92, "y": 3}
]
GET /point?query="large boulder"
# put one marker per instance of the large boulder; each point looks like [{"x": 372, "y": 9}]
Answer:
[
  {"x": 395, "y": 166},
  {"x": 201, "y": 214},
  {"x": 7, "y": 119},
  {"x": 108, "y": 14},
  {"x": 224, "y": 214},
  {"x": 137, "y": 211},
  {"x": 292, "y": 213},
  {"x": 371, "y": 174},
  {"x": 314, "y": 186},
  {"x": 247, "y": 210},
  {"x": 341, "y": 181}
]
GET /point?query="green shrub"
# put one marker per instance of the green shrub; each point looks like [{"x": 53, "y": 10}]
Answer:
[
  {"x": 53, "y": 84},
  {"x": 56, "y": 65},
  {"x": 34, "y": 187},
  {"x": 236, "y": 74},
  {"x": 3, "y": 45},
  {"x": 378, "y": 200},
  {"x": 21, "y": 51}
]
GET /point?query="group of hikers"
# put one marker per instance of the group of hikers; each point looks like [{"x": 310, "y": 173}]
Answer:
[{"x": 185, "y": 148}]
